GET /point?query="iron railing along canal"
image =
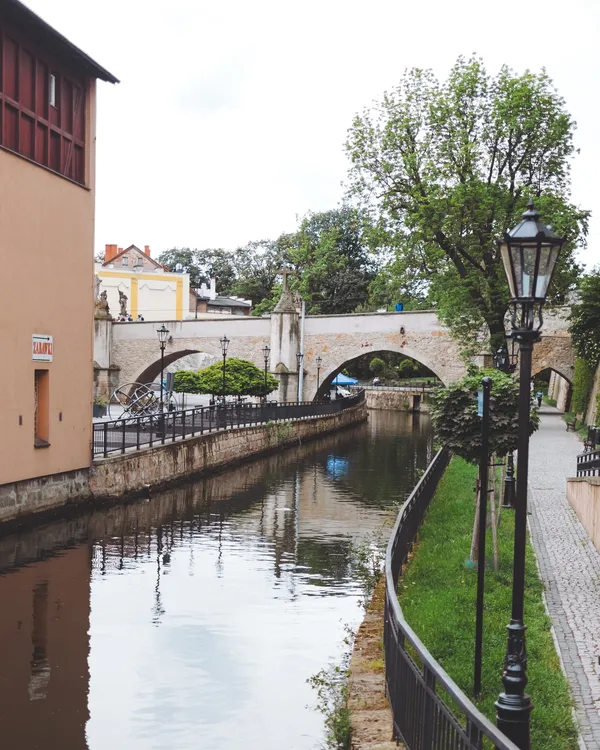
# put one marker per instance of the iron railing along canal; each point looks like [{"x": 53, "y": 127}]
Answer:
[
  {"x": 133, "y": 433},
  {"x": 423, "y": 720}
]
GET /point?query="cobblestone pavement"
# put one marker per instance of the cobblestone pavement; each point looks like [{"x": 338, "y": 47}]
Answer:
[{"x": 569, "y": 564}]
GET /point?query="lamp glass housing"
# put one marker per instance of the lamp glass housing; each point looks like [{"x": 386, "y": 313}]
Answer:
[
  {"x": 529, "y": 253},
  {"x": 224, "y": 345},
  {"x": 266, "y": 351},
  {"x": 162, "y": 333}
]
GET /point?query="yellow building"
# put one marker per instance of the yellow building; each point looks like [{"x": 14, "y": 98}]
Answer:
[
  {"x": 47, "y": 176},
  {"x": 139, "y": 287}
]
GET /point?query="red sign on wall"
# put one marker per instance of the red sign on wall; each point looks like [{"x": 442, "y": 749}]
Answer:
[{"x": 41, "y": 347}]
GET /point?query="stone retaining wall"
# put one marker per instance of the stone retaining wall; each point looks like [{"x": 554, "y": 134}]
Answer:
[
  {"x": 131, "y": 473},
  {"x": 397, "y": 400},
  {"x": 583, "y": 494},
  {"x": 159, "y": 466}
]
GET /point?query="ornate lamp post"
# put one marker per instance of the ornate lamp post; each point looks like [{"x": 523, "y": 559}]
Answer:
[
  {"x": 319, "y": 361},
  {"x": 529, "y": 254},
  {"x": 224, "y": 346},
  {"x": 163, "y": 335},
  {"x": 266, "y": 352},
  {"x": 299, "y": 357}
]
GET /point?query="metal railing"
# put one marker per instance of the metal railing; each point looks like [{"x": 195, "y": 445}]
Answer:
[
  {"x": 421, "y": 387},
  {"x": 588, "y": 464},
  {"x": 133, "y": 433},
  {"x": 422, "y": 718}
]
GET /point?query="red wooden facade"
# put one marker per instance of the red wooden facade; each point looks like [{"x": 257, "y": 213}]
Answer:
[{"x": 49, "y": 133}]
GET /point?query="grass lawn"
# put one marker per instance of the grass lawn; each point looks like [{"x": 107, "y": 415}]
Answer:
[{"x": 437, "y": 594}]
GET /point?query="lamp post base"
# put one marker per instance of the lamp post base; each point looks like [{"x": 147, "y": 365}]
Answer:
[{"x": 509, "y": 483}]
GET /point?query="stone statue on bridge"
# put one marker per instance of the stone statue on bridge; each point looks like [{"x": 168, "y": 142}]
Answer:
[{"x": 286, "y": 303}]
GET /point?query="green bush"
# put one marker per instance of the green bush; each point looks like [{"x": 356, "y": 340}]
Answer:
[
  {"x": 585, "y": 319},
  {"x": 455, "y": 420},
  {"x": 377, "y": 366},
  {"x": 583, "y": 380},
  {"x": 242, "y": 378}
]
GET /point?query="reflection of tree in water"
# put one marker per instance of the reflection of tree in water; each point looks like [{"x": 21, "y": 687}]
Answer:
[{"x": 325, "y": 559}]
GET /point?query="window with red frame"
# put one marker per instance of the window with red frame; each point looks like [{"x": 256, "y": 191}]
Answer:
[{"x": 42, "y": 109}]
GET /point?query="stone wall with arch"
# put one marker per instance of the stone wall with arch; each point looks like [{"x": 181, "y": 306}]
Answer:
[{"x": 336, "y": 338}]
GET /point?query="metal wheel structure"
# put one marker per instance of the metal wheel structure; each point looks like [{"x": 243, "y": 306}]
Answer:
[{"x": 139, "y": 400}]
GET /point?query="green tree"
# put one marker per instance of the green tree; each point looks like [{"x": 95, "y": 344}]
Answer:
[
  {"x": 331, "y": 252},
  {"x": 242, "y": 378},
  {"x": 377, "y": 366},
  {"x": 585, "y": 319},
  {"x": 455, "y": 420},
  {"x": 257, "y": 265},
  {"x": 202, "y": 265},
  {"x": 446, "y": 167}
]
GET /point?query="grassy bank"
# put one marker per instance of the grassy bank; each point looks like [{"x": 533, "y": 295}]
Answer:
[{"x": 438, "y": 598}]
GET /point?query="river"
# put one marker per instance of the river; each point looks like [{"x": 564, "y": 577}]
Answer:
[{"x": 193, "y": 618}]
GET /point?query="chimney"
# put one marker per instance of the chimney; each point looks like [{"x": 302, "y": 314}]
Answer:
[
  {"x": 120, "y": 250},
  {"x": 147, "y": 250},
  {"x": 109, "y": 252},
  {"x": 213, "y": 288}
]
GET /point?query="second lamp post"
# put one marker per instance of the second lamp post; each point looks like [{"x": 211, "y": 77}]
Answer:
[
  {"x": 224, "y": 347},
  {"x": 266, "y": 352}
]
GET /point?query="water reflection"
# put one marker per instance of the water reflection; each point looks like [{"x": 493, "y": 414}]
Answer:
[{"x": 193, "y": 618}]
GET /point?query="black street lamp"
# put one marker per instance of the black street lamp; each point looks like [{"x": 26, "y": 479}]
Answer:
[
  {"x": 529, "y": 254},
  {"x": 163, "y": 335},
  {"x": 319, "y": 361},
  {"x": 224, "y": 346},
  {"x": 266, "y": 352},
  {"x": 299, "y": 357}
]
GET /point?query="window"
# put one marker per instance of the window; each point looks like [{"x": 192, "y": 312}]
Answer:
[
  {"x": 42, "y": 108},
  {"x": 41, "y": 420},
  {"x": 140, "y": 262},
  {"x": 52, "y": 90},
  {"x": 125, "y": 261}
]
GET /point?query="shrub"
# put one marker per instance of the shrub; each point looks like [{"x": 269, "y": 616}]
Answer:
[
  {"x": 455, "y": 420},
  {"x": 377, "y": 366},
  {"x": 242, "y": 378}
]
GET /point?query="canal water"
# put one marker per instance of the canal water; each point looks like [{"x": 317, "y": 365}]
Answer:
[{"x": 193, "y": 618}]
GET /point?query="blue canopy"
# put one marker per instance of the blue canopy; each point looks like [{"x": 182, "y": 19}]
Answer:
[{"x": 341, "y": 379}]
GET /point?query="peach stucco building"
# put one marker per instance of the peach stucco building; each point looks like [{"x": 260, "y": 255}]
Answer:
[{"x": 47, "y": 171}]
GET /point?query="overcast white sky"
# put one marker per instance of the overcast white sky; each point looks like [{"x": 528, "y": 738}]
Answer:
[{"x": 231, "y": 115}]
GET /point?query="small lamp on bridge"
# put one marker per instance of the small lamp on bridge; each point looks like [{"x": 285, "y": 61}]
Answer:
[
  {"x": 319, "y": 361},
  {"x": 224, "y": 347},
  {"x": 529, "y": 254},
  {"x": 266, "y": 353},
  {"x": 163, "y": 335}
]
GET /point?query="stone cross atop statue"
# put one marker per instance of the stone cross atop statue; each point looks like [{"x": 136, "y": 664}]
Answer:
[{"x": 286, "y": 302}]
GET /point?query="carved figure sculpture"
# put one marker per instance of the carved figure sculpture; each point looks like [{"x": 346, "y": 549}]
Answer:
[{"x": 123, "y": 302}]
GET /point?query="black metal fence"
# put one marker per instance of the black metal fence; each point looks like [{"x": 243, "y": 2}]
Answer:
[
  {"x": 588, "y": 464},
  {"x": 133, "y": 433},
  {"x": 422, "y": 717}
]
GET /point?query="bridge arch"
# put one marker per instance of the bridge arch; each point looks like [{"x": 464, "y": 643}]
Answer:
[
  {"x": 152, "y": 370},
  {"x": 332, "y": 365}
]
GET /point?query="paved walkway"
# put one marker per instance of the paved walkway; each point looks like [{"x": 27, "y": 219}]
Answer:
[{"x": 570, "y": 566}]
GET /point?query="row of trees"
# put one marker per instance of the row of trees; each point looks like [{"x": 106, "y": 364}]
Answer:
[{"x": 438, "y": 171}]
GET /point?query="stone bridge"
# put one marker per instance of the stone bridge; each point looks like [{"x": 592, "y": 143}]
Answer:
[{"x": 129, "y": 352}]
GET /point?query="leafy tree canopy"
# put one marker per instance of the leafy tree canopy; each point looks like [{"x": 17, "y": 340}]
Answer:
[
  {"x": 202, "y": 265},
  {"x": 444, "y": 168},
  {"x": 455, "y": 420},
  {"x": 331, "y": 251},
  {"x": 585, "y": 319},
  {"x": 242, "y": 378}
]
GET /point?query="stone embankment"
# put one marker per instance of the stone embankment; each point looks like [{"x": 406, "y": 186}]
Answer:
[
  {"x": 397, "y": 400},
  {"x": 134, "y": 472}
]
